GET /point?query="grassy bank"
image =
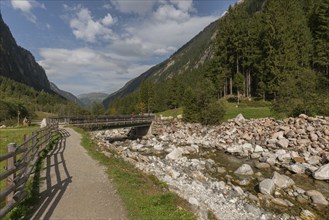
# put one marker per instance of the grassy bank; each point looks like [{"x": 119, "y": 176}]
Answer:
[{"x": 144, "y": 196}]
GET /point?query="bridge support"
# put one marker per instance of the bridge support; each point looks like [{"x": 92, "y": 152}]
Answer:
[{"x": 138, "y": 132}]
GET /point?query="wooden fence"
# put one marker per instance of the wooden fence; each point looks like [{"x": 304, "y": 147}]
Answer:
[{"x": 20, "y": 161}]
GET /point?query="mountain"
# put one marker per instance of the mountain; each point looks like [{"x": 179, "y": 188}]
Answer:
[
  {"x": 192, "y": 55},
  {"x": 89, "y": 98},
  {"x": 19, "y": 64},
  {"x": 67, "y": 95}
]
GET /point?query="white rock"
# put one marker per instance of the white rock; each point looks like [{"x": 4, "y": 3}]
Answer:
[
  {"x": 282, "y": 181},
  {"x": 258, "y": 149},
  {"x": 267, "y": 186},
  {"x": 322, "y": 173},
  {"x": 297, "y": 168},
  {"x": 244, "y": 169},
  {"x": 193, "y": 201},
  {"x": 283, "y": 142},
  {"x": 234, "y": 149},
  {"x": 43, "y": 123},
  {"x": 175, "y": 154}
]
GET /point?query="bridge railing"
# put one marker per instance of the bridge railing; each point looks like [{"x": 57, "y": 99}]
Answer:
[
  {"x": 20, "y": 161},
  {"x": 102, "y": 119}
]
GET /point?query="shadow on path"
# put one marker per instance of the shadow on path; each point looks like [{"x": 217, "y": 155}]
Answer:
[{"x": 57, "y": 179}]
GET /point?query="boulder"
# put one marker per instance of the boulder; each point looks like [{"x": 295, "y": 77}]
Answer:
[
  {"x": 43, "y": 123},
  {"x": 297, "y": 168},
  {"x": 313, "y": 160},
  {"x": 263, "y": 165},
  {"x": 258, "y": 149},
  {"x": 283, "y": 143},
  {"x": 244, "y": 169},
  {"x": 317, "y": 198},
  {"x": 267, "y": 186},
  {"x": 322, "y": 173},
  {"x": 239, "y": 118},
  {"x": 282, "y": 181},
  {"x": 234, "y": 149},
  {"x": 175, "y": 154}
]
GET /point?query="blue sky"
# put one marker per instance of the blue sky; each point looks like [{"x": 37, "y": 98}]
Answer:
[{"x": 99, "y": 45}]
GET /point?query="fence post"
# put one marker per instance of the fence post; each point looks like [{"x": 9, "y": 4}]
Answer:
[{"x": 11, "y": 165}]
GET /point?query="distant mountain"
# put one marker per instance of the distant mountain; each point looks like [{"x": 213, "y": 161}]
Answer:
[
  {"x": 67, "y": 95},
  {"x": 19, "y": 64},
  {"x": 190, "y": 56},
  {"x": 88, "y": 99}
]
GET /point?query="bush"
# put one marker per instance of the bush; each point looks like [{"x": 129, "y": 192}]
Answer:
[{"x": 214, "y": 114}]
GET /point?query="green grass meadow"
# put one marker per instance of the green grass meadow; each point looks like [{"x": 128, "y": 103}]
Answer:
[{"x": 248, "y": 109}]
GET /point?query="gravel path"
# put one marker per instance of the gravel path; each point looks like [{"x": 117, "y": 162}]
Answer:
[{"x": 75, "y": 186}]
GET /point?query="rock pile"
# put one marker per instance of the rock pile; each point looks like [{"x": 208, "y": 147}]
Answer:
[{"x": 170, "y": 154}]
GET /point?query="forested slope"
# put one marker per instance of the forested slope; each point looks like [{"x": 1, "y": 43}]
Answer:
[{"x": 275, "y": 50}]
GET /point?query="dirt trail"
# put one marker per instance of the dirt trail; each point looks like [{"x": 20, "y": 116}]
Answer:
[{"x": 75, "y": 186}]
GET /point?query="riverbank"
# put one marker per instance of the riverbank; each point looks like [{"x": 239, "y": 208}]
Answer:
[{"x": 247, "y": 169}]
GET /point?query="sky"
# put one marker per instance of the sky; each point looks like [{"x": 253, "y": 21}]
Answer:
[{"x": 99, "y": 45}]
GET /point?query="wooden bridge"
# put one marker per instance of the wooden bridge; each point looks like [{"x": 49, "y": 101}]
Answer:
[{"x": 105, "y": 121}]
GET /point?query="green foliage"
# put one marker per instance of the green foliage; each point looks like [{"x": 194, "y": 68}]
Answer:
[
  {"x": 16, "y": 97},
  {"x": 275, "y": 50}
]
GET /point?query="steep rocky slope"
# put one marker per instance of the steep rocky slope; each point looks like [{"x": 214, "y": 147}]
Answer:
[
  {"x": 67, "y": 95},
  {"x": 190, "y": 56},
  {"x": 19, "y": 64}
]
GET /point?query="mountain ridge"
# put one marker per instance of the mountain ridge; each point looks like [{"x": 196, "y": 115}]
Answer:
[
  {"x": 18, "y": 63},
  {"x": 190, "y": 56}
]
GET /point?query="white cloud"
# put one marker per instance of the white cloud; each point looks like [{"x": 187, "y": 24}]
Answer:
[
  {"x": 26, "y": 7},
  {"x": 85, "y": 27},
  {"x": 133, "y": 6},
  {"x": 95, "y": 70}
]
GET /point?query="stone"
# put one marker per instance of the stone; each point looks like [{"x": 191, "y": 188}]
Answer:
[
  {"x": 313, "y": 137},
  {"x": 283, "y": 143},
  {"x": 284, "y": 157},
  {"x": 278, "y": 135},
  {"x": 297, "y": 168},
  {"x": 298, "y": 159},
  {"x": 322, "y": 173},
  {"x": 239, "y": 118},
  {"x": 280, "y": 202},
  {"x": 175, "y": 154},
  {"x": 253, "y": 209},
  {"x": 271, "y": 161},
  {"x": 317, "y": 197},
  {"x": 301, "y": 199},
  {"x": 307, "y": 215},
  {"x": 193, "y": 201},
  {"x": 263, "y": 165},
  {"x": 238, "y": 190},
  {"x": 282, "y": 181},
  {"x": 258, "y": 149},
  {"x": 267, "y": 186},
  {"x": 43, "y": 123},
  {"x": 313, "y": 160},
  {"x": 221, "y": 170},
  {"x": 234, "y": 149},
  {"x": 244, "y": 169},
  {"x": 247, "y": 147}
]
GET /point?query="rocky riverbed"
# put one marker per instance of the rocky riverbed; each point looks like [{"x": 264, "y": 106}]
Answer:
[{"x": 241, "y": 169}]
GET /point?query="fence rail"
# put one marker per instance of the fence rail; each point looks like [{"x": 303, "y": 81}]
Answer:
[
  {"x": 104, "y": 121},
  {"x": 20, "y": 161}
]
